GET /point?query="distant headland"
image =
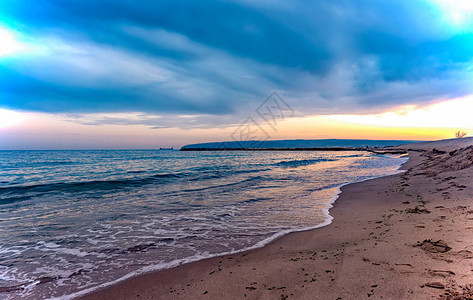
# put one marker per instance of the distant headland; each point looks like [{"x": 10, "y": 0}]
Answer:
[{"x": 296, "y": 145}]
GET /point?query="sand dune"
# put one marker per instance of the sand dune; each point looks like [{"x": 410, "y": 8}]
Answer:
[{"x": 444, "y": 145}]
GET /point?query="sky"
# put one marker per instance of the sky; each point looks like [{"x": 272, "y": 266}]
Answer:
[{"x": 146, "y": 74}]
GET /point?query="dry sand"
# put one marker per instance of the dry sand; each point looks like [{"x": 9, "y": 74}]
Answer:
[{"x": 407, "y": 236}]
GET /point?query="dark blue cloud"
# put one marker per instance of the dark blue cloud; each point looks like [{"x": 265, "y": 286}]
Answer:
[
  {"x": 222, "y": 25},
  {"x": 22, "y": 92},
  {"x": 223, "y": 58}
]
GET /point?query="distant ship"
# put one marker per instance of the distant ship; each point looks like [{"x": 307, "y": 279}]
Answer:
[{"x": 172, "y": 148}]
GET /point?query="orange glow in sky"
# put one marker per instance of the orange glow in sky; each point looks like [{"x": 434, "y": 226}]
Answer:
[
  {"x": 436, "y": 121},
  {"x": 447, "y": 114}
]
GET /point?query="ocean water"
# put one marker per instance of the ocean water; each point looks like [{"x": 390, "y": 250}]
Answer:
[{"x": 73, "y": 221}]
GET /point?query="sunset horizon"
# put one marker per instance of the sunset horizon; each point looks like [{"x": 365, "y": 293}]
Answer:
[
  {"x": 409, "y": 122},
  {"x": 133, "y": 78}
]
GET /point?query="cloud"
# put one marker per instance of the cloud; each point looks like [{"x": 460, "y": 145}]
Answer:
[
  {"x": 152, "y": 121},
  {"x": 216, "y": 61}
]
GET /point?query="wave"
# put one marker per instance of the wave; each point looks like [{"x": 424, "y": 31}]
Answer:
[
  {"x": 20, "y": 193},
  {"x": 219, "y": 173},
  {"x": 13, "y": 194},
  {"x": 252, "y": 180},
  {"x": 301, "y": 162},
  {"x": 352, "y": 155},
  {"x": 253, "y": 200}
]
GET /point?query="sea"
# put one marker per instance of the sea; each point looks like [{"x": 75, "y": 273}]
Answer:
[{"x": 75, "y": 221}]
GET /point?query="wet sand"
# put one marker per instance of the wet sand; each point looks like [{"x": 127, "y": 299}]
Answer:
[{"x": 406, "y": 236}]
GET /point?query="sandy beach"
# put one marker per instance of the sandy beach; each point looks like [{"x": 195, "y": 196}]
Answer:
[{"x": 406, "y": 236}]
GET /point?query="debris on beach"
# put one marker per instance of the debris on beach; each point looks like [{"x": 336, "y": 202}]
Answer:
[
  {"x": 441, "y": 273},
  {"x": 434, "y": 246},
  {"x": 417, "y": 210},
  {"x": 455, "y": 291},
  {"x": 435, "y": 285}
]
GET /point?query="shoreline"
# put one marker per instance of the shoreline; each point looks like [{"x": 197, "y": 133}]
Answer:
[
  {"x": 338, "y": 256},
  {"x": 261, "y": 244}
]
